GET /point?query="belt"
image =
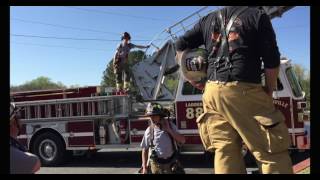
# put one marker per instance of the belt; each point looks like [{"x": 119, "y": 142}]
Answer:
[
  {"x": 222, "y": 82},
  {"x": 165, "y": 161},
  {"x": 234, "y": 83}
]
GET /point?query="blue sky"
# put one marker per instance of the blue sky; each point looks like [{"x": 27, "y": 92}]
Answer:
[{"x": 82, "y": 62}]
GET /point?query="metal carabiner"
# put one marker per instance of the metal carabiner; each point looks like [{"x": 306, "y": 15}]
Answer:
[
  {"x": 228, "y": 63},
  {"x": 216, "y": 63}
]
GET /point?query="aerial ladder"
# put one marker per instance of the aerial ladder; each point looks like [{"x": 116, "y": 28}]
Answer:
[{"x": 150, "y": 73}]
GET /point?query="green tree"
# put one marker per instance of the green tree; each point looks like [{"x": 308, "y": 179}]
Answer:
[
  {"x": 39, "y": 83},
  {"x": 135, "y": 57},
  {"x": 171, "y": 82},
  {"x": 74, "y": 86},
  {"x": 109, "y": 78},
  {"x": 303, "y": 76}
]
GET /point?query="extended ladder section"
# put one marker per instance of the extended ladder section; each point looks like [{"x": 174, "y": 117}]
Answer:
[
  {"x": 276, "y": 11},
  {"x": 99, "y": 107},
  {"x": 150, "y": 73}
]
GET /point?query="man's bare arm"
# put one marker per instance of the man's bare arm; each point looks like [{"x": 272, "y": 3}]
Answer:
[
  {"x": 142, "y": 47},
  {"x": 176, "y": 136},
  {"x": 144, "y": 158},
  {"x": 271, "y": 79}
]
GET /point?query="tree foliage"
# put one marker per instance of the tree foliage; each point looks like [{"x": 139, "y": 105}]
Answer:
[
  {"x": 109, "y": 78},
  {"x": 303, "y": 76},
  {"x": 39, "y": 83}
]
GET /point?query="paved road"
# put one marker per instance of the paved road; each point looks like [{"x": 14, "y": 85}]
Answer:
[
  {"x": 129, "y": 163},
  {"x": 124, "y": 163}
]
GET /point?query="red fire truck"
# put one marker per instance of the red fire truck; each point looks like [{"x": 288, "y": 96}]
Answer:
[{"x": 56, "y": 122}]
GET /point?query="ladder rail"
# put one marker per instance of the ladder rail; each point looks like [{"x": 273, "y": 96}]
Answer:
[
  {"x": 92, "y": 107},
  {"x": 161, "y": 38},
  {"x": 70, "y": 100},
  {"x": 69, "y": 118}
]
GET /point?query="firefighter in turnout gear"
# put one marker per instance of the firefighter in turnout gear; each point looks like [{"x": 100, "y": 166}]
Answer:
[
  {"x": 237, "y": 108},
  {"x": 120, "y": 62},
  {"x": 159, "y": 151}
]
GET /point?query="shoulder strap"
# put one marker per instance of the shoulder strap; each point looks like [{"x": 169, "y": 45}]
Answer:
[
  {"x": 233, "y": 18},
  {"x": 151, "y": 128},
  {"x": 224, "y": 47}
]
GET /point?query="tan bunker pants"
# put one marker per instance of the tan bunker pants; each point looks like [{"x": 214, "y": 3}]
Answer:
[
  {"x": 157, "y": 168},
  {"x": 236, "y": 112}
]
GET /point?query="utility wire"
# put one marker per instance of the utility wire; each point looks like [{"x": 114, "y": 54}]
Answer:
[
  {"x": 58, "y": 46},
  {"x": 119, "y": 14},
  {"x": 69, "y": 38},
  {"x": 66, "y": 27}
]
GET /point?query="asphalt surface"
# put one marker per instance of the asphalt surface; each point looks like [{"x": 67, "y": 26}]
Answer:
[
  {"x": 125, "y": 163},
  {"x": 121, "y": 163},
  {"x": 130, "y": 162}
]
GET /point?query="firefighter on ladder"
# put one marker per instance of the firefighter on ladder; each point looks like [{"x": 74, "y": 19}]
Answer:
[
  {"x": 120, "y": 62},
  {"x": 236, "y": 106}
]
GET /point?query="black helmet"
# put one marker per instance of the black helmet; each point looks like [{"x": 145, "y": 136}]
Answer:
[
  {"x": 125, "y": 35},
  {"x": 166, "y": 112},
  {"x": 154, "y": 109}
]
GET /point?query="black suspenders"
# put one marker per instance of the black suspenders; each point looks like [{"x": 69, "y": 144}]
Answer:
[
  {"x": 151, "y": 136},
  {"x": 223, "y": 52}
]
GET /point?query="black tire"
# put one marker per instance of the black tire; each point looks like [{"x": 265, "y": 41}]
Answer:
[{"x": 50, "y": 149}]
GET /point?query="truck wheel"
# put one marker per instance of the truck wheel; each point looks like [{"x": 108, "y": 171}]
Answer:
[{"x": 50, "y": 148}]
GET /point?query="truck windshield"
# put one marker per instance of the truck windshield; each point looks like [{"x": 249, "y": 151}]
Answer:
[
  {"x": 294, "y": 83},
  {"x": 188, "y": 89}
]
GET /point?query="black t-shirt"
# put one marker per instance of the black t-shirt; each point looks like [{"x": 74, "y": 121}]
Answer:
[{"x": 251, "y": 39}]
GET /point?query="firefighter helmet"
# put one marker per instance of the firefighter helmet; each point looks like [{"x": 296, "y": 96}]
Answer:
[
  {"x": 193, "y": 65},
  {"x": 125, "y": 35},
  {"x": 154, "y": 109}
]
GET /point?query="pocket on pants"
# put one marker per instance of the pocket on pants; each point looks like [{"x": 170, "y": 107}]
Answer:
[
  {"x": 202, "y": 121},
  {"x": 274, "y": 131}
]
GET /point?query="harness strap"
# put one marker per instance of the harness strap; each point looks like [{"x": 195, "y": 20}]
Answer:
[
  {"x": 151, "y": 135},
  {"x": 223, "y": 52}
]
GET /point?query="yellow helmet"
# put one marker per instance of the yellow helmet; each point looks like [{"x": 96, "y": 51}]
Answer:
[{"x": 193, "y": 64}]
